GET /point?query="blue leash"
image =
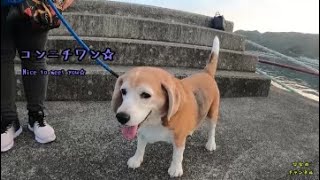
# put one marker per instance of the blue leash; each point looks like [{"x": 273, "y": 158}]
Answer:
[{"x": 63, "y": 20}]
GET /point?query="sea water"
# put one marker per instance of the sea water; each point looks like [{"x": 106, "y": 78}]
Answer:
[{"x": 305, "y": 84}]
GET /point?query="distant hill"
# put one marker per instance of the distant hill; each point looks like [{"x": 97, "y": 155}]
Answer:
[{"x": 288, "y": 43}]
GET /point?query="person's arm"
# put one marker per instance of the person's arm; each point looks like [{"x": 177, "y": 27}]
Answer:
[{"x": 66, "y": 4}]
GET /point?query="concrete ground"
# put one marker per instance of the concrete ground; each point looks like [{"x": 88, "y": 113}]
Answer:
[{"x": 257, "y": 138}]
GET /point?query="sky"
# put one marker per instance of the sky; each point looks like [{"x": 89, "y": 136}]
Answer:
[{"x": 262, "y": 15}]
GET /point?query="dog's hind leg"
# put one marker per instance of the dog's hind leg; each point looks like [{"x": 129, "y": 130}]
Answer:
[
  {"x": 136, "y": 160},
  {"x": 213, "y": 118}
]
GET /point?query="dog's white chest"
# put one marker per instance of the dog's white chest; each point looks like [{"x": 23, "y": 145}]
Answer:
[{"x": 155, "y": 133}]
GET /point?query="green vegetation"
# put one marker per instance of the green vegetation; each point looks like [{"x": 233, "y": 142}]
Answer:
[{"x": 288, "y": 43}]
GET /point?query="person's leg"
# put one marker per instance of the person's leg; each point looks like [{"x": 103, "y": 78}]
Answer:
[
  {"x": 10, "y": 126},
  {"x": 35, "y": 86}
]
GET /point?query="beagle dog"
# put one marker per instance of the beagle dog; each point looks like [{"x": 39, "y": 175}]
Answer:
[{"x": 153, "y": 105}]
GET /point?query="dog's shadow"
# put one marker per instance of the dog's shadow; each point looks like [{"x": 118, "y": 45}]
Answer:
[{"x": 157, "y": 159}]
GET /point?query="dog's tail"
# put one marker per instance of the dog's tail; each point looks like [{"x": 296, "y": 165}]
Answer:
[{"x": 211, "y": 67}]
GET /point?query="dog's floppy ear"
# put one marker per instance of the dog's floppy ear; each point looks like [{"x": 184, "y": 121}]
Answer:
[
  {"x": 117, "y": 96},
  {"x": 173, "y": 97}
]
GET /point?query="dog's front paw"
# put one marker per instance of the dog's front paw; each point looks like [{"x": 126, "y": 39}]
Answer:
[
  {"x": 211, "y": 146},
  {"x": 175, "y": 170},
  {"x": 134, "y": 162}
]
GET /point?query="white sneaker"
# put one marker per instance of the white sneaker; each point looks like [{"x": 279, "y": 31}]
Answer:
[
  {"x": 44, "y": 133},
  {"x": 7, "y": 137}
]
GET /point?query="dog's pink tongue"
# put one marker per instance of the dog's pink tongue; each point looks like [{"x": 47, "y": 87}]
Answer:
[{"x": 129, "y": 132}]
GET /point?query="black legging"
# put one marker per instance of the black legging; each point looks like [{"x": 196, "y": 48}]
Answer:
[{"x": 17, "y": 35}]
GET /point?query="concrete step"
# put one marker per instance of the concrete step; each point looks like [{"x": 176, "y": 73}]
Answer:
[
  {"x": 143, "y": 11},
  {"x": 152, "y": 53},
  {"x": 97, "y": 84},
  {"x": 113, "y": 26}
]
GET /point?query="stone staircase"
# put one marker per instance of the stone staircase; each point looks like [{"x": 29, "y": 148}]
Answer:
[{"x": 177, "y": 41}]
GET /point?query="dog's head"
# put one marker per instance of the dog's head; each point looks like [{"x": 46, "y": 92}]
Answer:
[{"x": 142, "y": 93}]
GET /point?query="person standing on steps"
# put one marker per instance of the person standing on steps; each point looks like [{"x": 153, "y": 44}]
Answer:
[{"x": 20, "y": 34}]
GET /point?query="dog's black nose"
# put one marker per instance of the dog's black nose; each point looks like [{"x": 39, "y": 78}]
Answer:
[{"x": 122, "y": 117}]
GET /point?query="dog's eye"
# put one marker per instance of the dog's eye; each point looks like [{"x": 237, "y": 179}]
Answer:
[
  {"x": 145, "y": 95},
  {"x": 123, "y": 91}
]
